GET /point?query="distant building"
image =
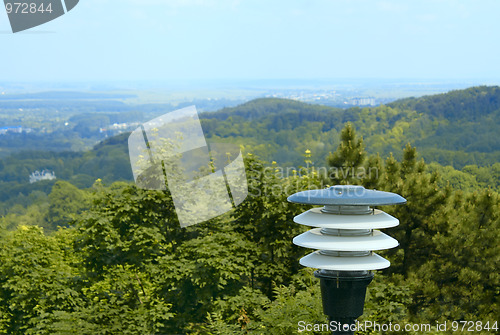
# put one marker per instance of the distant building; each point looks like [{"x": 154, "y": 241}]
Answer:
[
  {"x": 118, "y": 128},
  {"x": 362, "y": 101},
  {"x": 14, "y": 129},
  {"x": 42, "y": 175}
]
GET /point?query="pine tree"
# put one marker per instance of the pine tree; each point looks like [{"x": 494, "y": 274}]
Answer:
[
  {"x": 425, "y": 203},
  {"x": 347, "y": 159},
  {"x": 461, "y": 280}
]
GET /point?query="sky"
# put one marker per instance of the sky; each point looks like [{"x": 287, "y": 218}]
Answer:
[{"x": 168, "y": 40}]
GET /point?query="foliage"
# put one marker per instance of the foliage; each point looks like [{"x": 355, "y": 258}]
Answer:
[
  {"x": 456, "y": 129},
  {"x": 35, "y": 279},
  {"x": 66, "y": 203},
  {"x": 461, "y": 280},
  {"x": 388, "y": 298},
  {"x": 203, "y": 270},
  {"x": 459, "y": 104},
  {"x": 121, "y": 264},
  {"x": 127, "y": 225},
  {"x": 347, "y": 158},
  {"x": 266, "y": 220},
  {"x": 425, "y": 204}
]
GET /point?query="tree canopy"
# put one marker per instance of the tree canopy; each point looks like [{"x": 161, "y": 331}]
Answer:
[{"x": 122, "y": 265}]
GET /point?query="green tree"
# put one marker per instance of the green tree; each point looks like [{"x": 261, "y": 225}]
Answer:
[
  {"x": 460, "y": 280},
  {"x": 36, "y": 279},
  {"x": 426, "y": 202},
  {"x": 348, "y": 157},
  {"x": 66, "y": 202},
  {"x": 266, "y": 218},
  {"x": 127, "y": 225},
  {"x": 124, "y": 301},
  {"x": 202, "y": 270}
]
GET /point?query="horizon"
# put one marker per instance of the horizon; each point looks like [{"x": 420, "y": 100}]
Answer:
[
  {"x": 329, "y": 92},
  {"x": 425, "y": 84}
]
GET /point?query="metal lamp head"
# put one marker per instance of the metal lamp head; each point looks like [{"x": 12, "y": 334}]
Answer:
[{"x": 344, "y": 240}]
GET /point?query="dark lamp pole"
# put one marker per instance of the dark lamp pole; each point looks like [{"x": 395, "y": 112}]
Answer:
[{"x": 344, "y": 240}]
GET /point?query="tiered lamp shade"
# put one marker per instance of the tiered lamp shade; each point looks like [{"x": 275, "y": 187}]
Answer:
[{"x": 346, "y": 232}]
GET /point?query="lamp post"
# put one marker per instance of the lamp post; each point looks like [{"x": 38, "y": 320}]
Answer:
[{"x": 344, "y": 240}]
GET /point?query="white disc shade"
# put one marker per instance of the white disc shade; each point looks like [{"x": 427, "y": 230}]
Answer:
[
  {"x": 314, "y": 239},
  {"x": 363, "y": 263},
  {"x": 315, "y": 218}
]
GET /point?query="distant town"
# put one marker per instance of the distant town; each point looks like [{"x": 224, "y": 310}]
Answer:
[{"x": 331, "y": 98}]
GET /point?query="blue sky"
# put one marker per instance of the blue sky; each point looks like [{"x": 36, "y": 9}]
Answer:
[{"x": 113, "y": 40}]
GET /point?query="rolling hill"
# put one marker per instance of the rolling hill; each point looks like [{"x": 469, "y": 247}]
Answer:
[{"x": 459, "y": 129}]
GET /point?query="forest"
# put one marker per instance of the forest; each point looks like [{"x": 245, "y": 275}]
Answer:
[
  {"x": 458, "y": 128},
  {"x": 464, "y": 150},
  {"x": 90, "y": 253}
]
